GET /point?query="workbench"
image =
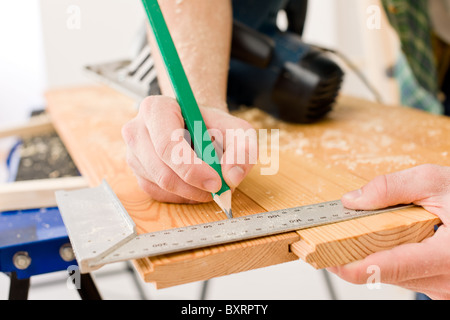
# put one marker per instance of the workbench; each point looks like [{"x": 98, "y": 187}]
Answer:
[{"x": 356, "y": 142}]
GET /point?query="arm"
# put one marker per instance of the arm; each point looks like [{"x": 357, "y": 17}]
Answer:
[
  {"x": 201, "y": 31},
  {"x": 423, "y": 267}
]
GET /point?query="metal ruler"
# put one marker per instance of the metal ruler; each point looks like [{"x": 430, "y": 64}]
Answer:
[{"x": 101, "y": 231}]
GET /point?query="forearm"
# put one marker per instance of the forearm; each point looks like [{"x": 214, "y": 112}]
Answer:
[{"x": 201, "y": 31}]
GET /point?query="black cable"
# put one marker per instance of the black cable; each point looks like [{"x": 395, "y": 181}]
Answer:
[{"x": 356, "y": 70}]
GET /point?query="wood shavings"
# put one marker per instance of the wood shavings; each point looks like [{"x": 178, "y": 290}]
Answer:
[
  {"x": 398, "y": 161},
  {"x": 333, "y": 139},
  {"x": 409, "y": 147}
]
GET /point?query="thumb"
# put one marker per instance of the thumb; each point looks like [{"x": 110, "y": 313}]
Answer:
[
  {"x": 402, "y": 187},
  {"x": 239, "y": 144},
  {"x": 240, "y": 154}
]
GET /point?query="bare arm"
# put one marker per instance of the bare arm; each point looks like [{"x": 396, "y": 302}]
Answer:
[{"x": 201, "y": 31}]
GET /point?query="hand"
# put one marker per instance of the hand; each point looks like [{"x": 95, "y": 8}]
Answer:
[
  {"x": 155, "y": 141},
  {"x": 422, "y": 267}
]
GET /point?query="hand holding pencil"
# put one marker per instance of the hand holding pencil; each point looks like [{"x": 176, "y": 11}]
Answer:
[
  {"x": 150, "y": 135},
  {"x": 148, "y": 138}
]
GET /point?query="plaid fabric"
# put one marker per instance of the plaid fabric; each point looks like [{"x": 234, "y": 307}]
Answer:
[
  {"x": 412, "y": 22},
  {"x": 411, "y": 92}
]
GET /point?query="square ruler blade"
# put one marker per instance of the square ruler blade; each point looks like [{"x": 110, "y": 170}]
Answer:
[{"x": 102, "y": 232}]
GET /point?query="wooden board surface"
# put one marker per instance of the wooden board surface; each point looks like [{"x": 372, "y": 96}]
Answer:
[
  {"x": 358, "y": 141},
  {"x": 38, "y": 193},
  {"x": 35, "y": 126}
]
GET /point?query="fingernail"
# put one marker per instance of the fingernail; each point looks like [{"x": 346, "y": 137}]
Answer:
[
  {"x": 236, "y": 175},
  {"x": 353, "y": 195},
  {"x": 212, "y": 185}
]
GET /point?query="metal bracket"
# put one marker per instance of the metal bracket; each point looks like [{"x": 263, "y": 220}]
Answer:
[
  {"x": 96, "y": 223},
  {"x": 136, "y": 78}
]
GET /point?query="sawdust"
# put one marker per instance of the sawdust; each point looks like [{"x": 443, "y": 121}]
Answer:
[
  {"x": 409, "y": 147},
  {"x": 289, "y": 140},
  {"x": 334, "y": 139},
  {"x": 395, "y": 160},
  {"x": 434, "y": 133},
  {"x": 339, "y": 148}
]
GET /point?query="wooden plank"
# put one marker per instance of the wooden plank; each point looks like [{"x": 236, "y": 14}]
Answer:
[
  {"x": 316, "y": 153},
  {"x": 34, "y": 194},
  {"x": 317, "y": 163},
  {"x": 353, "y": 240},
  {"x": 99, "y": 153},
  {"x": 197, "y": 265},
  {"x": 36, "y": 125}
]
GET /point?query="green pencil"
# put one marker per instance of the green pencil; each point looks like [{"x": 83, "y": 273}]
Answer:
[{"x": 185, "y": 97}]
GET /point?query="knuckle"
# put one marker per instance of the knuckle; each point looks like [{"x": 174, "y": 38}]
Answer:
[
  {"x": 152, "y": 104},
  {"x": 164, "y": 150},
  {"x": 429, "y": 171},
  {"x": 251, "y": 150},
  {"x": 129, "y": 132},
  {"x": 166, "y": 181},
  {"x": 187, "y": 172},
  {"x": 147, "y": 104},
  {"x": 245, "y": 124},
  {"x": 242, "y": 145},
  {"x": 437, "y": 177},
  {"x": 204, "y": 197},
  {"x": 381, "y": 186},
  {"x": 131, "y": 160},
  {"x": 147, "y": 186},
  {"x": 153, "y": 191},
  {"x": 395, "y": 274}
]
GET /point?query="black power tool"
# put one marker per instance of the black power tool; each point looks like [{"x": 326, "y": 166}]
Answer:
[
  {"x": 274, "y": 71},
  {"x": 280, "y": 74}
]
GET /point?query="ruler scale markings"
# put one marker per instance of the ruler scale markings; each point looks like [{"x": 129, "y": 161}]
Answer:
[
  {"x": 236, "y": 229},
  {"x": 102, "y": 232}
]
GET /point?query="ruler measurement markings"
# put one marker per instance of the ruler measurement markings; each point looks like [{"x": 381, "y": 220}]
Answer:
[{"x": 236, "y": 229}]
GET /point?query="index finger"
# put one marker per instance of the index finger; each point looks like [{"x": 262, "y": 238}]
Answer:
[
  {"x": 403, "y": 187},
  {"x": 165, "y": 125},
  {"x": 400, "y": 264}
]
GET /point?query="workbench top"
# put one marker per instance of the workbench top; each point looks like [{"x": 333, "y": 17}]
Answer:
[{"x": 320, "y": 162}]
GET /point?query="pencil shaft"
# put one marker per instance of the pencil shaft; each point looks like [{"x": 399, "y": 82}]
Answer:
[{"x": 190, "y": 110}]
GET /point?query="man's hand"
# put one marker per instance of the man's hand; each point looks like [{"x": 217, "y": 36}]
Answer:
[
  {"x": 423, "y": 267},
  {"x": 167, "y": 167}
]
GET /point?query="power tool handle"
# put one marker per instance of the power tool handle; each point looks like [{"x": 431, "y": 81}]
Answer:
[{"x": 250, "y": 46}]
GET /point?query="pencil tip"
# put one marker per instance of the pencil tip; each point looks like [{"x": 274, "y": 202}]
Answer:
[
  {"x": 224, "y": 202},
  {"x": 229, "y": 213}
]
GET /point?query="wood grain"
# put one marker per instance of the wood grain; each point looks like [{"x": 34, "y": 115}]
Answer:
[
  {"x": 358, "y": 141},
  {"x": 170, "y": 270}
]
